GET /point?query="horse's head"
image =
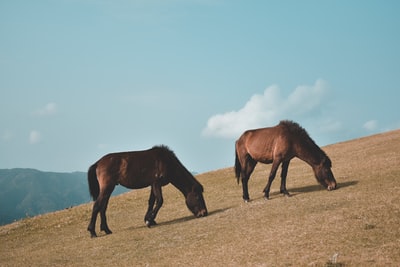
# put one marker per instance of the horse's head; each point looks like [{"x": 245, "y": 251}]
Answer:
[
  {"x": 324, "y": 174},
  {"x": 195, "y": 202}
]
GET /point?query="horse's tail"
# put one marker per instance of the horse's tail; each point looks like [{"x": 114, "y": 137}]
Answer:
[
  {"x": 238, "y": 167},
  {"x": 94, "y": 187}
]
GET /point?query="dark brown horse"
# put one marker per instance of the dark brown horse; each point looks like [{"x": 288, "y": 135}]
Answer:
[
  {"x": 278, "y": 145},
  {"x": 155, "y": 167}
]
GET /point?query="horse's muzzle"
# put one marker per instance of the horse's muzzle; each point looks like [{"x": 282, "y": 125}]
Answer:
[
  {"x": 202, "y": 213},
  {"x": 331, "y": 187}
]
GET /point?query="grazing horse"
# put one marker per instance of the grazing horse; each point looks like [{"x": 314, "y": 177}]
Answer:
[
  {"x": 278, "y": 145},
  {"x": 155, "y": 167}
]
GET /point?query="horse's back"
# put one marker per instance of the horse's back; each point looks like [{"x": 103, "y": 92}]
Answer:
[
  {"x": 263, "y": 144},
  {"x": 132, "y": 169}
]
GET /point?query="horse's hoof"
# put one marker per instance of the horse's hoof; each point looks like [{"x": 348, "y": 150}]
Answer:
[
  {"x": 287, "y": 195},
  {"x": 246, "y": 200},
  {"x": 266, "y": 198},
  {"x": 106, "y": 230},
  {"x": 150, "y": 223},
  {"x": 92, "y": 233}
]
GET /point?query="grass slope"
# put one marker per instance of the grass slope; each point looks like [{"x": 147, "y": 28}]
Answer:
[{"x": 356, "y": 225}]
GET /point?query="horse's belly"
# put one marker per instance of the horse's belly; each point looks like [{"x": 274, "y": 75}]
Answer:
[
  {"x": 141, "y": 182},
  {"x": 130, "y": 186},
  {"x": 266, "y": 161}
]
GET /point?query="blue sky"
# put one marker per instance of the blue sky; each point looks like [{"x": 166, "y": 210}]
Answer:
[{"x": 82, "y": 78}]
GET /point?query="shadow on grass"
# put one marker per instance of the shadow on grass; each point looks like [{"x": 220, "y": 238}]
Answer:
[
  {"x": 317, "y": 187},
  {"x": 313, "y": 188},
  {"x": 183, "y": 219},
  {"x": 191, "y": 217}
]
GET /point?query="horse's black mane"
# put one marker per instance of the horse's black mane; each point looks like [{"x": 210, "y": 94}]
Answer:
[
  {"x": 163, "y": 147},
  {"x": 167, "y": 149},
  {"x": 295, "y": 128}
]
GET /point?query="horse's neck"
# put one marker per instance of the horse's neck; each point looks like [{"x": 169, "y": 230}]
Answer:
[
  {"x": 311, "y": 155},
  {"x": 184, "y": 185}
]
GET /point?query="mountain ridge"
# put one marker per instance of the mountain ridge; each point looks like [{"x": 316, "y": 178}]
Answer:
[{"x": 27, "y": 192}]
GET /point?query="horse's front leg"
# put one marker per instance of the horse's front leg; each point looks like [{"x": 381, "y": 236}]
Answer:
[
  {"x": 155, "y": 197},
  {"x": 149, "y": 218},
  {"x": 285, "y": 167}
]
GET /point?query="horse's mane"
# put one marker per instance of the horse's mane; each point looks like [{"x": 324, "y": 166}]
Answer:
[
  {"x": 296, "y": 129},
  {"x": 182, "y": 167},
  {"x": 163, "y": 147},
  {"x": 166, "y": 149}
]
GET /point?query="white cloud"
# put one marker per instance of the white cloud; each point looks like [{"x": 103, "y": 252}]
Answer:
[
  {"x": 34, "y": 137},
  {"x": 47, "y": 110},
  {"x": 267, "y": 109},
  {"x": 371, "y": 125}
]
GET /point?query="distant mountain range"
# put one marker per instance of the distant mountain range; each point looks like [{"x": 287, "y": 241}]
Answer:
[{"x": 30, "y": 192}]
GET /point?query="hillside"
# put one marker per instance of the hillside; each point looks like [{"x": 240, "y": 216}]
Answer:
[
  {"x": 30, "y": 192},
  {"x": 356, "y": 225}
]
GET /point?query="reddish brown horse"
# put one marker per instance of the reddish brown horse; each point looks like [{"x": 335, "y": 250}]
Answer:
[
  {"x": 278, "y": 145},
  {"x": 155, "y": 167}
]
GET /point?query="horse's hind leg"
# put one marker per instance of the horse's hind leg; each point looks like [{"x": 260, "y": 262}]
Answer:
[
  {"x": 250, "y": 164},
  {"x": 92, "y": 224},
  {"x": 245, "y": 188},
  {"x": 271, "y": 177},
  {"x": 104, "y": 198},
  {"x": 100, "y": 205},
  {"x": 104, "y": 225},
  {"x": 285, "y": 167}
]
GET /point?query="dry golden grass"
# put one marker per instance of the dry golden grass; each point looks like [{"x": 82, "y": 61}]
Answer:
[{"x": 356, "y": 225}]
